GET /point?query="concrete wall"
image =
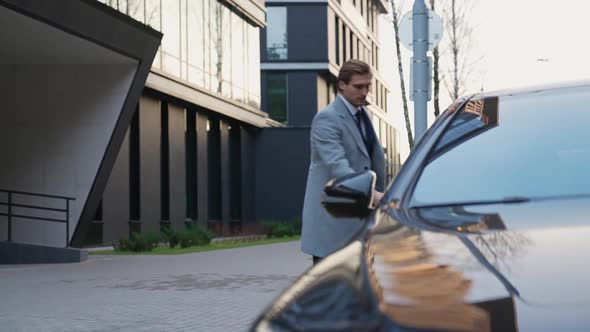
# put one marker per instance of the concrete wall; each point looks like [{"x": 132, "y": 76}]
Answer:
[
  {"x": 56, "y": 123},
  {"x": 282, "y": 162},
  {"x": 115, "y": 200}
]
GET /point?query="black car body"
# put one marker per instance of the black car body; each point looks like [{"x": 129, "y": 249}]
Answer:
[{"x": 484, "y": 229}]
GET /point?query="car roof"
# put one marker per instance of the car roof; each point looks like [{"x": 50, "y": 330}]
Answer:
[{"x": 533, "y": 89}]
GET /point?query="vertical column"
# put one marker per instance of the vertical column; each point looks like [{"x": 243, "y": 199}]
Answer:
[
  {"x": 202, "y": 170},
  {"x": 248, "y": 179},
  {"x": 225, "y": 177},
  {"x": 332, "y": 35},
  {"x": 214, "y": 174},
  {"x": 149, "y": 151},
  {"x": 322, "y": 92},
  {"x": 341, "y": 42},
  {"x": 178, "y": 195},
  {"x": 353, "y": 46},
  {"x": 115, "y": 199},
  {"x": 235, "y": 164}
]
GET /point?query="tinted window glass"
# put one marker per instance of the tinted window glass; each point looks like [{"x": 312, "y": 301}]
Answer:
[
  {"x": 276, "y": 84},
  {"x": 532, "y": 145},
  {"x": 276, "y": 33}
]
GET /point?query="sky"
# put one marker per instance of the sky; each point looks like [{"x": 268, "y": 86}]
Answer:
[{"x": 514, "y": 43}]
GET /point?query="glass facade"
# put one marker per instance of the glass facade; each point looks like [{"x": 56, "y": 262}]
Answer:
[
  {"x": 205, "y": 43},
  {"x": 276, "y": 33},
  {"x": 276, "y": 86}
]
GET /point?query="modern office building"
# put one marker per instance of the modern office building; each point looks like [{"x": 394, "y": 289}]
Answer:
[
  {"x": 182, "y": 148},
  {"x": 138, "y": 114},
  {"x": 71, "y": 73},
  {"x": 303, "y": 46},
  {"x": 189, "y": 152}
]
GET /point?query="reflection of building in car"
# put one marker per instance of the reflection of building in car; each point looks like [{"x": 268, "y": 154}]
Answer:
[
  {"x": 474, "y": 106},
  {"x": 414, "y": 290},
  {"x": 459, "y": 219},
  {"x": 478, "y": 116}
]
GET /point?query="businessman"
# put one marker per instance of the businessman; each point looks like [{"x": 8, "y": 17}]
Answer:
[{"x": 343, "y": 141}]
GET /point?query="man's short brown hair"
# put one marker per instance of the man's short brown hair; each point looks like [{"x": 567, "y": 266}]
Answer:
[{"x": 353, "y": 67}]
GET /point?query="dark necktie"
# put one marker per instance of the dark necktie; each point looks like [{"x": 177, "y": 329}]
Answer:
[{"x": 362, "y": 118}]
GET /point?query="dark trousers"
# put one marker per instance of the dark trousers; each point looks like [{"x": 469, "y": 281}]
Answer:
[{"x": 317, "y": 259}]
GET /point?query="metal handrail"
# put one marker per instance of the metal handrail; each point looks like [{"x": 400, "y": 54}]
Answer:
[{"x": 10, "y": 204}]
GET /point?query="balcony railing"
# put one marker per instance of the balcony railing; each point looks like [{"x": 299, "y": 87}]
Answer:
[{"x": 27, "y": 210}]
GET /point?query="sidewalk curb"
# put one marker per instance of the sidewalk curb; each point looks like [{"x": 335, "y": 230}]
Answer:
[{"x": 242, "y": 238}]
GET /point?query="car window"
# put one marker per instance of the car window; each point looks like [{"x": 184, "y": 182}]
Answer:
[{"x": 533, "y": 145}]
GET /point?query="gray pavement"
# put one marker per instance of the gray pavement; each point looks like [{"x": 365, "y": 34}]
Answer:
[{"x": 211, "y": 291}]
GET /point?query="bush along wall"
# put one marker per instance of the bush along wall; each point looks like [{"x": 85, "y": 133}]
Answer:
[
  {"x": 192, "y": 235},
  {"x": 281, "y": 228}
]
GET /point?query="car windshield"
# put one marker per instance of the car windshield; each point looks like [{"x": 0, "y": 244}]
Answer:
[{"x": 530, "y": 145}]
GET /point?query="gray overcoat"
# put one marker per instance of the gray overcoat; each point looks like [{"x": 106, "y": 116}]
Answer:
[{"x": 337, "y": 149}]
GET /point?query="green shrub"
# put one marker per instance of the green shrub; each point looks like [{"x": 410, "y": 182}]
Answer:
[
  {"x": 139, "y": 242},
  {"x": 170, "y": 236},
  {"x": 297, "y": 225},
  {"x": 194, "y": 235},
  {"x": 281, "y": 228}
]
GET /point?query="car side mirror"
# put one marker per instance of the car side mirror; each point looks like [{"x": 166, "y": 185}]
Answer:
[{"x": 350, "y": 195}]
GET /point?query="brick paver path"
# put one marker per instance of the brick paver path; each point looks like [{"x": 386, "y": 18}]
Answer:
[{"x": 211, "y": 291}]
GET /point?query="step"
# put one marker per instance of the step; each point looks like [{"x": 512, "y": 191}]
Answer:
[{"x": 22, "y": 253}]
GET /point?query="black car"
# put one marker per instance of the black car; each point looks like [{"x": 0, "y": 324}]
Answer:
[{"x": 485, "y": 228}]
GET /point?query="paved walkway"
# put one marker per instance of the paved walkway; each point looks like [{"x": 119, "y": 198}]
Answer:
[{"x": 211, "y": 291}]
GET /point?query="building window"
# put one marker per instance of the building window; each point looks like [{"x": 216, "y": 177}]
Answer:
[
  {"x": 345, "y": 56},
  {"x": 171, "y": 50},
  {"x": 238, "y": 49},
  {"x": 377, "y": 57},
  {"x": 196, "y": 40},
  {"x": 368, "y": 14},
  {"x": 276, "y": 33},
  {"x": 377, "y": 93},
  {"x": 208, "y": 43},
  {"x": 276, "y": 96},
  {"x": 337, "y": 37},
  {"x": 253, "y": 66},
  {"x": 373, "y": 55},
  {"x": 352, "y": 54}
]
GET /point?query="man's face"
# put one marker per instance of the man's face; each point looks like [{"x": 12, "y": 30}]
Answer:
[{"x": 356, "y": 90}]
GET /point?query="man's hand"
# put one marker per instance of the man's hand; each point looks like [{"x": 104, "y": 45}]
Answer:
[{"x": 377, "y": 198}]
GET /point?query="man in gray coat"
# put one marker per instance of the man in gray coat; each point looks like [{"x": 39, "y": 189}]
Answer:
[{"x": 343, "y": 141}]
